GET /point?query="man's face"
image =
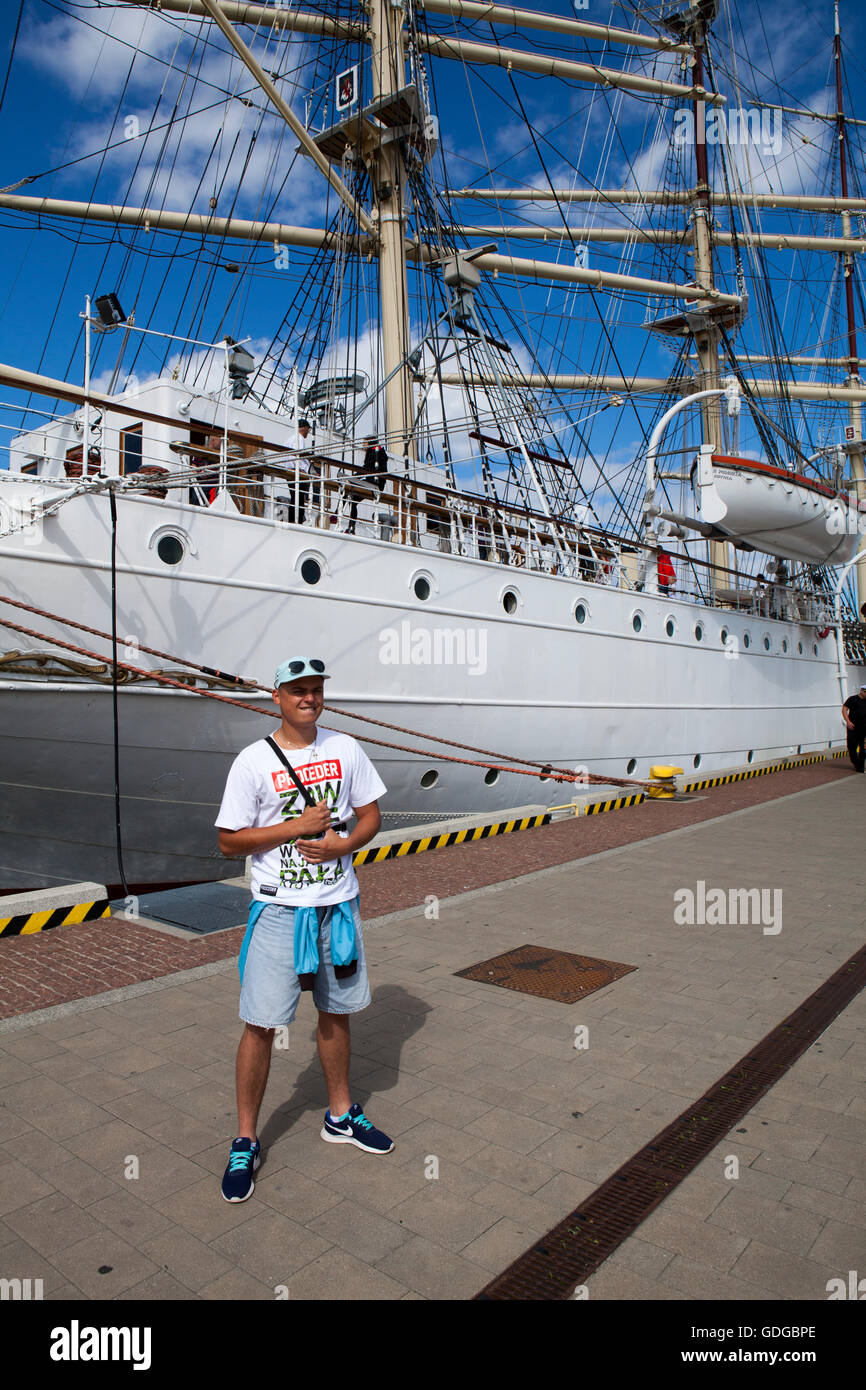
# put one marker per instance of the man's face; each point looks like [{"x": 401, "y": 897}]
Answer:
[
  {"x": 303, "y": 431},
  {"x": 301, "y": 701}
]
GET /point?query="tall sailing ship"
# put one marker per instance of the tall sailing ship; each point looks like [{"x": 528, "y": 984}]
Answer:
[{"x": 581, "y": 479}]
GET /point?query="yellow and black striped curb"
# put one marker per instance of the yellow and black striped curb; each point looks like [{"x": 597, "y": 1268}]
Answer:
[
  {"x": 451, "y": 837},
  {"x": 31, "y": 922},
  {"x": 596, "y": 808},
  {"x": 785, "y": 766}
]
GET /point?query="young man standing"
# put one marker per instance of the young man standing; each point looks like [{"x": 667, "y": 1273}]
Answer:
[
  {"x": 304, "y": 929},
  {"x": 854, "y": 715}
]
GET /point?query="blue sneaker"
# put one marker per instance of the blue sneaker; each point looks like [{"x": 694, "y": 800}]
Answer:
[
  {"x": 244, "y": 1159},
  {"x": 355, "y": 1128}
]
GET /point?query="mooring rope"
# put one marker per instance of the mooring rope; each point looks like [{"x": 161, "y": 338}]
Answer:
[{"x": 539, "y": 770}]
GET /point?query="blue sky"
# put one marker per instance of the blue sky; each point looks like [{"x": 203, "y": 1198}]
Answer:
[{"x": 86, "y": 77}]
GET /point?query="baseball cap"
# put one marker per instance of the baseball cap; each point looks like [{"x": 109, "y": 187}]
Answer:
[{"x": 298, "y": 666}]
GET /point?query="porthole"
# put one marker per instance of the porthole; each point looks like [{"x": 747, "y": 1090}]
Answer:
[
  {"x": 766, "y": 644},
  {"x": 724, "y": 636},
  {"x": 580, "y": 613},
  {"x": 421, "y": 589},
  {"x": 170, "y": 550},
  {"x": 699, "y": 632},
  {"x": 631, "y": 765},
  {"x": 311, "y": 571},
  {"x": 799, "y": 748},
  {"x": 637, "y": 622},
  {"x": 509, "y": 601},
  {"x": 747, "y": 641},
  {"x": 750, "y": 756},
  {"x": 670, "y": 627},
  {"x": 429, "y": 778},
  {"x": 815, "y": 648},
  {"x": 491, "y": 776},
  {"x": 800, "y": 648},
  {"x": 696, "y": 760},
  {"x": 784, "y": 644},
  {"x": 545, "y": 774}
]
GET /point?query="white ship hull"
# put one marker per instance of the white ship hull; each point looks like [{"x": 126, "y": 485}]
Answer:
[{"x": 534, "y": 684}]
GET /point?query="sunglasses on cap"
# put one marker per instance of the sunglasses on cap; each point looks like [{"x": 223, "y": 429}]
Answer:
[
  {"x": 299, "y": 666},
  {"x": 296, "y": 667}
]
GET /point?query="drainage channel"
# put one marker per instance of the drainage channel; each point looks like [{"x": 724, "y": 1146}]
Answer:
[{"x": 575, "y": 1248}]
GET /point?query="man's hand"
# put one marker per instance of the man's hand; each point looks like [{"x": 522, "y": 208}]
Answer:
[
  {"x": 331, "y": 846},
  {"x": 310, "y": 822}
]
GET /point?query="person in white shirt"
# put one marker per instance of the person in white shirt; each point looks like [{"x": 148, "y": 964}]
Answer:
[{"x": 286, "y": 803}]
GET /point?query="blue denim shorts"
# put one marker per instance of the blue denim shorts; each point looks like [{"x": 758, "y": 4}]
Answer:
[{"x": 270, "y": 989}]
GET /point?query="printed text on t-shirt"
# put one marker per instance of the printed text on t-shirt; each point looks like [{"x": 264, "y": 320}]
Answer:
[{"x": 312, "y": 772}]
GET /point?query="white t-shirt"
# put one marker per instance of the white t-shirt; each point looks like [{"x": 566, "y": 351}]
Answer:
[{"x": 259, "y": 792}]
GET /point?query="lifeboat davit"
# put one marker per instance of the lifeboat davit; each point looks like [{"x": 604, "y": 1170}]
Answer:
[{"x": 779, "y": 511}]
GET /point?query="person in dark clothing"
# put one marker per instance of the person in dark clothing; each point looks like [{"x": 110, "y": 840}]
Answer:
[
  {"x": 854, "y": 714},
  {"x": 375, "y": 461},
  {"x": 375, "y": 472}
]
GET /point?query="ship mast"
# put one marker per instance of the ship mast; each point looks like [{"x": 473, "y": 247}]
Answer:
[
  {"x": 388, "y": 179},
  {"x": 855, "y": 444},
  {"x": 693, "y": 24},
  {"x": 707, "y": 335}
]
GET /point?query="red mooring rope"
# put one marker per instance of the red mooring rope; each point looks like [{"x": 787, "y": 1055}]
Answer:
[{"x": 539, "y": 769}]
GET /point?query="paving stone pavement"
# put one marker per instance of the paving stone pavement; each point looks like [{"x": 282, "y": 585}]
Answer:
[{"x": 116, "y": 1112}]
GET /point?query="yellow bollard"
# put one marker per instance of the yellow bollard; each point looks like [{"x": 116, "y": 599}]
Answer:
[{"x": 663, "y": 780}]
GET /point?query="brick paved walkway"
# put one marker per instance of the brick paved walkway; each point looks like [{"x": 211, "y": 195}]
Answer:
[
  {"x": 39, "y": 971},
  {"x": 486, "y": 1082}
]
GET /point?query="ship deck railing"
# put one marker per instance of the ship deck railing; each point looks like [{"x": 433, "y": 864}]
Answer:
[
  {"x": 435, "y": 517},
  {"x": 318, "y": 492}
]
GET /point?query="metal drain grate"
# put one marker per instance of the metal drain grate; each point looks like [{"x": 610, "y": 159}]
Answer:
[
  {"x": 574, "y": 1249},
  {"x": 549, "y": 974}
]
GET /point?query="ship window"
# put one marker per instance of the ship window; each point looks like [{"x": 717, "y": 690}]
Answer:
[
  {"x": 509, "y": 601},
  {"x": 800, "y": 648},
  {"x": 699, "y": 633},
  {"x": 670, "y": 627},
  {"x": 766, "y": 644},
  {"x": 815, "y": 648},
  {"x": 491, "y": 776},
  {"x": 545, "y": 774},
  {"x": 724, "y": 636},
  {"x": 696, "y": 760},
  {"x": 131, "y": 449},
  {"x": 750, "y": 757},
  {"x": 784, "y": 644},
  {"x": 170, "y": 550},
  {"x": 631, "y": 765},
  {"x": 311, "y": 571},
  {"x": 747, "y": 641},
  {"x": 637, "y": 622},
  {"x": 430, "y": 778},
  {"x": 580, "y": 613},
  {"x": 422, "y": 591}
]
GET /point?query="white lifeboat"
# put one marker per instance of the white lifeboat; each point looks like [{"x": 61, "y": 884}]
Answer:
[{"x": 779, "y": 511}]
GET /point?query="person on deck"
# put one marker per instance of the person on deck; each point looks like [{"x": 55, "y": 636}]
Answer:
[
  {"x": 854, "y": 715},
  {"x": 304, "y": 929},
  {"x": 667, "y": 573},
  {"x": 206, "y": 486}
]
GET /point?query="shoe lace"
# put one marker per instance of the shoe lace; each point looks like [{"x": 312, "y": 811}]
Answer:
[
  {"x": 240, "y": 1158},
  {"x": 363, "y": 1121}
]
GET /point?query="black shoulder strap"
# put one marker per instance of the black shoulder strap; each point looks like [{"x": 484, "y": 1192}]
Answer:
[{"x": 305, "y": 793}]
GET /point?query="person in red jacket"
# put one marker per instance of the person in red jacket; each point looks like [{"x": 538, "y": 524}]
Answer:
[{"x": 667, "y": 573}]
